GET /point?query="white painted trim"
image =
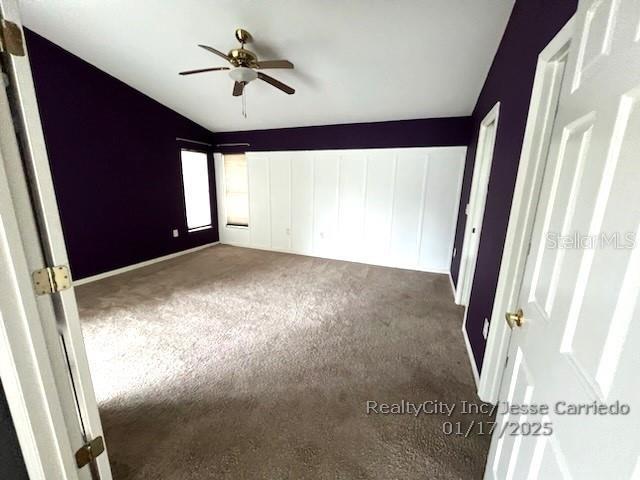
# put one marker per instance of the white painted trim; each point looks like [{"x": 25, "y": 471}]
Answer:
[
  {"x": 453, "y": 287},
  {"x": 375, "y": 264},
  {"x": 135, "y": 266},
  {"x": 477, "y": 194},
  {"x": 527, "y": 190},
  {"x": 36, "y": 405},
  {"x": 25, "y": 368},
  {"x": 472, "y": 360},
  {"x": 454, "y": 223},
  {"x": 47, "y": 246}
]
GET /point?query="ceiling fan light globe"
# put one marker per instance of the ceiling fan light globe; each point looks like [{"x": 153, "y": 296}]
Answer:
[{"x": 243, "y": 74}]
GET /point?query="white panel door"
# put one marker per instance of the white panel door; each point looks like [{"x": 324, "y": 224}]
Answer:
[
  {"x": 381, "y": 172},
  {"x": 280, "y": 177},
  {"x": 444, "y": 180},
  {"x": 259, "y": 201},
  {"x": 580, "y": 340},
  {"x": 351, "y": 203},
  {"x": 408, "y": 204},
  {"x": 302, "y": 187},
  {"x": 325, "y": 203}
]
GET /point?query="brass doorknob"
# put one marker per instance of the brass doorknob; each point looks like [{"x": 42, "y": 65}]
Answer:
[{"x": 514, "y": 319}]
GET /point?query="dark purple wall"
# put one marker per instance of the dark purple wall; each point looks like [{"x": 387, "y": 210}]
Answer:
[
  {"x": 115, "y": 163},
  {"x": 432, "y": 132},
  {"x": 532, "y": 25}
]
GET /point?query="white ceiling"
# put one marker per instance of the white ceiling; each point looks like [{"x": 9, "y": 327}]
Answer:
[{"x": 356, "y": 60}]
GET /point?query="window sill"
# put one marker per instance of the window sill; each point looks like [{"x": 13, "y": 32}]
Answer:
[
  {"x": 198, "y": 229},
  {"x": 240, "y": 227}
]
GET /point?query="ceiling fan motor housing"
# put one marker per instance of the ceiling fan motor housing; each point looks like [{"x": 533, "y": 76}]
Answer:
[{"x": 241, "y": 57}]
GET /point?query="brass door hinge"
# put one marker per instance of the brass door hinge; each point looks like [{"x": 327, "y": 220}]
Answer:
[
  {"x": 51, "y": 279},
  {"x": 89, "y": 452},
  {"x": 11, "y": 40}
]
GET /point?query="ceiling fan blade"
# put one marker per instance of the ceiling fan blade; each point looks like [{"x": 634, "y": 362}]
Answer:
[
  {"x": 200, "y": 70},
  {"x": 276, "y": 83},
  {"x": 213, "y": 50},
  {"x": 238, "y": 87},
  {"x": 275, "y": 64}
]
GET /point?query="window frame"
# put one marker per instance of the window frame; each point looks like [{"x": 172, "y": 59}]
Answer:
[
  {"x": 224, "y": 185},
  {"x": 212, "y": 189}
]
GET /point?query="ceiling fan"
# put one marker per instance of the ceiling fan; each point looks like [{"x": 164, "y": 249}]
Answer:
[{"x": 245, "y": 64}]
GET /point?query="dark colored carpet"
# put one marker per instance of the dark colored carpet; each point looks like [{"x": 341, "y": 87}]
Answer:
[{"x": 233, "y": 363}]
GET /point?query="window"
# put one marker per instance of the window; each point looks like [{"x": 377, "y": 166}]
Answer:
[
  {"x": 195, "y": 179},
  {"x": 236, "y": 190}
]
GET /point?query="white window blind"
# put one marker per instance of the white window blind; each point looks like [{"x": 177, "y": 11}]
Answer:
[
  {"x": 236, "y": 190},
  {"x": 195, "y": 179}
]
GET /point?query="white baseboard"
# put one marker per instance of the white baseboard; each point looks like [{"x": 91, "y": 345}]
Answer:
[
  {"x": 364, "y": 262},
  {"x": 128, "y": 268},
  {"x": 472, "y": 360},
  {"x": 453, "y": 287}
]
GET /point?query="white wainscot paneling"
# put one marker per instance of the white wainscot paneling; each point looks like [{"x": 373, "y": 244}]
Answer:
[
  {"x": 326, "y": 171},
  {"x": 280, "y": 178},
  {"x": 408, "y": 204},
  {"x": 381, "y": 172},
  {"x": 351, "y": 205},
  {"x": 302, "y": 203},
  {"x": 394, "y": 207},
  {"x": 443, "y": 184}
]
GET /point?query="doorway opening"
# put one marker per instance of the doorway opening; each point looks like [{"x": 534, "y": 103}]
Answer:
[{"x": 477, "y": 201}]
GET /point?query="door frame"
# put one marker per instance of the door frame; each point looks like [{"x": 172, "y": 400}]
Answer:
[
  {"x": 42, "y": 244},
  {"x": 475, "y": 217},
  {"x": 540, "y": 118},
  {"x": 25, "y": 367}
]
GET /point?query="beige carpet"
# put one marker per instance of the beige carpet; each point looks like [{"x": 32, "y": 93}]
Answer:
[{"x": 232, "y": 363}]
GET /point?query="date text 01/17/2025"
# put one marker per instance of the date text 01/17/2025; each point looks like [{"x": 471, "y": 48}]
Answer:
[{"x": 474, "y": 427}]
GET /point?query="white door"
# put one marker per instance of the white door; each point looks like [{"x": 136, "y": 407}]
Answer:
[
  {"x": 579, "y": 343},
  {"x": 43, "y": 243}
]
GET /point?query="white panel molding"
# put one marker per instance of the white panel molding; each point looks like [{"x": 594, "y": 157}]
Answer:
[
  {"x": 393, "y": 204},
  {"x": 338, "y": 190},
  {"x": 423, "y": 197}
]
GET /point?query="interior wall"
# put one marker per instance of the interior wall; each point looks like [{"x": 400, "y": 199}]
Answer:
[
  {"x": 510, "y": 80},
  {"x": 115, "y": 163},
  {"x": 428, "y": 132},
  {"x": 393, "y": 207}
]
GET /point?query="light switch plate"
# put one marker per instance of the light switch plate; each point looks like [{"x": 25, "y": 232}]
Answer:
[{"x": 176, "y": 233}]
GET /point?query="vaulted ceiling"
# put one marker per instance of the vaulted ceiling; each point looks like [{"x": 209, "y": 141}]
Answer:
[{"x": 355, "y": 60}]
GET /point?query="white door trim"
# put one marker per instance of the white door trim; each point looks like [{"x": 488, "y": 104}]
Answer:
[
  {"x": 527, "y": 189},
  {"x": 25, "y": 367},
  {"x": 474, "y": 209},
  {"x": 46, "y": 245}
]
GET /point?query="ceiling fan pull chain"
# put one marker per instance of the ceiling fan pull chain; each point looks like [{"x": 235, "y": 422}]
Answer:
[{"x": 244, "y": 102}]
